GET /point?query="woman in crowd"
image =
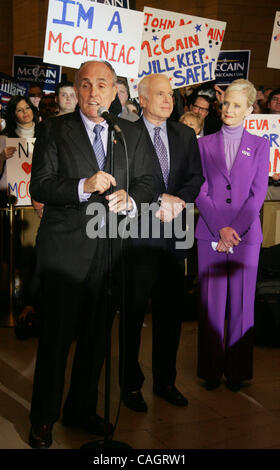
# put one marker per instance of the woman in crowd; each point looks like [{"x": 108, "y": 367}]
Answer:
[
  {"x": 21, "y": 121},
  {"x": 235, "y": 166}
]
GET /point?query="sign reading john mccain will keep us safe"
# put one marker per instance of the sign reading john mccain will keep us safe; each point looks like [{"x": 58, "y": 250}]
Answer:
[{"x": 78, "y": 31}]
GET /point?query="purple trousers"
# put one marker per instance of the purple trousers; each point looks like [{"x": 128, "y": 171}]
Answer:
[{"x": 226, "y": 317}]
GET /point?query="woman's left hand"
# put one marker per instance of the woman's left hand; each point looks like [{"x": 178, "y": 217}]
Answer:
[{"x": 229, "y": 237}]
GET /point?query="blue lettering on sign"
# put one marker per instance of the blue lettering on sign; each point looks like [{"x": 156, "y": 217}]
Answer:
[
  {"x": 116, "y": 21},
  {"x": 86, "y": 16},
  {"x": 63, "y": 19},
  {"x": 272, "y": 138}
]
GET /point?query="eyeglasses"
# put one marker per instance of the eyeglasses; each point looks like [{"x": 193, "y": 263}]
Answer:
[{"x": 205, "y": 110}]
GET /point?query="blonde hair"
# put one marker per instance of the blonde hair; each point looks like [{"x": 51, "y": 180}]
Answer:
[
  {"x": 199, "y": 119},
  {"x": 246, "y": 87}
]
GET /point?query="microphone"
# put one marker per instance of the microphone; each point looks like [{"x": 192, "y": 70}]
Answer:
[{"x": 109, "y": 118}]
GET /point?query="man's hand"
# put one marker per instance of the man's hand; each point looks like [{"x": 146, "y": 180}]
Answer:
[
  {"x": 229, "y": 237},
  {"x": 39, "y": 207},
  {"x": 170, "y": 207},
  {"x": 119, "y": 201},
  {"x": 100, "y": 182},
  {"x": 219, "y": 94}
]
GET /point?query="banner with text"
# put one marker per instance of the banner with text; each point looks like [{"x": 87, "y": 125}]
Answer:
[
  {"x": 182, "y": 54},
  {"x": 232, "y": 65},
  {"x": 159, "y": 21},
  {"x": 30, "y": 69},
  {"x": 10, "y": 87},
  {"x": 268, "y": 126},
  {"x": 84, "y": 30},
  {"x": 274, "y": 51},
  {"x": 17, "y": 173}
]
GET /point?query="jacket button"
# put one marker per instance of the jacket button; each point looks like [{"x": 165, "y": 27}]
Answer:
[
  {"x": 228, "y": 200},
  {"x": 228, "y": 186}
]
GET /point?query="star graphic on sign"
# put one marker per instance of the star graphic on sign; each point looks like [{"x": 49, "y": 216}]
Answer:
[
  {"x": 198, "y": 27},
  {"x": 173, "y": 59},
  {"x": 207, "y": 58},
  {"x": 131, "y": 80},
  {"x": 170, "y": 78},
  {"x": 155, "y": 38},
  {"x": 135, "y": 87}
]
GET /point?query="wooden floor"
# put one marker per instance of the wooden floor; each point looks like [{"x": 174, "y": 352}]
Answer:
[{"x": 221, "y": 419}]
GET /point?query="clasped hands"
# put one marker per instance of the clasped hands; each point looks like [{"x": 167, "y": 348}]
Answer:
[
  {"x": 229, "y": 238},
  {"x": 170, "y": 207},
  {"x": 100, "y": 182}
]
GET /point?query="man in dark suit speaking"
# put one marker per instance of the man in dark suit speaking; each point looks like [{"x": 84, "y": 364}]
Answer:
[
  {"x": 156, "y": 270},
  {"x": 70, "y": 171}
]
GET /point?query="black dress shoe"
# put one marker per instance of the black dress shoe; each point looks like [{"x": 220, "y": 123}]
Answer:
[
  {"x": 172, "y": 395},
  {"x": 93, "y": 424},
  {"x": 212, "y": 384},
  {"x": 233, "y": 385},
  {"x": 134, "y": 401},
  {"x": 40, "y": 437}
]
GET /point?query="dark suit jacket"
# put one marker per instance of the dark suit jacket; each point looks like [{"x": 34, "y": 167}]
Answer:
[
  {"x": 62, "y": 156},
  {"x": 185, "y": 177}
]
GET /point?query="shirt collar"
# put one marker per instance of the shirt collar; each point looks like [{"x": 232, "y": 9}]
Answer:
[
  {"x": 151, "y": 126},
  {"x": 89, "y": 125}
]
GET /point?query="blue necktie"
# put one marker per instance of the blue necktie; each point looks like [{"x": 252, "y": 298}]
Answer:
[
  {"x": 162, "y": 155},
  {"x": 98, "y": 146}
]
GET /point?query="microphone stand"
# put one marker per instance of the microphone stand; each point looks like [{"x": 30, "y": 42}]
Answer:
[{"x": 107, "y": 442}]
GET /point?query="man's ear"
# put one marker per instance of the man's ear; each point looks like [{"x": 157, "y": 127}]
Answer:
[{"x": 142, "y": 101}]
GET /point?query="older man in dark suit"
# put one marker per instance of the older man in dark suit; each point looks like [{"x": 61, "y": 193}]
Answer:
[
  {"x": 156, "y": 266},
  {"x": 70, "y": 171}
]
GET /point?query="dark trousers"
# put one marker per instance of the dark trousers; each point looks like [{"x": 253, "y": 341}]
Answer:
[
  {"x": 71, "y": 310},
  {"x": 156, "y": 275}
]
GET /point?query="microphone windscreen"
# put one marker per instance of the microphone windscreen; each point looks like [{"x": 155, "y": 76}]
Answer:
[{"x": 102, "y": 110}]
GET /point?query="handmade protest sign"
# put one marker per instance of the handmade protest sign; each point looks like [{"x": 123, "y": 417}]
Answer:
[
  {"x": 157, "y": 20},
  {"x": 268, "y": 126},
  {"x": 182, "y": 54},
  {"x": 17, "y": 173},
  {"x": 82, "y": 30},
  {"x": 274, "y": 52}
]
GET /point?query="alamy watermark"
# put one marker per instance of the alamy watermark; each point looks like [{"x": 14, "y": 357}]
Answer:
[{"x": 104, "y": 224}]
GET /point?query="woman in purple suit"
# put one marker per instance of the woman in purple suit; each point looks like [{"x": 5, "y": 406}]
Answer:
[{"x": 235, "y": 166}]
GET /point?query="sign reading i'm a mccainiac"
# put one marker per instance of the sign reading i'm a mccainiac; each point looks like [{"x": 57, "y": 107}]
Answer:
[{"x": 78, "y": 31}]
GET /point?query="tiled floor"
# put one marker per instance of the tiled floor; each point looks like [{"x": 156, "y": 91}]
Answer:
[{"x": 219, "y": 419}]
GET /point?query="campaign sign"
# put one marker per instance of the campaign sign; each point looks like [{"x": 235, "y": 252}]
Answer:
[
  {"x": 232, "y": 65},
  {"x": 155, "y": 20},
  {"x": 268, "y": 126},
  {"x": 114, "y": 3},
  {"x": 78, "y": 31},
  {"x": 274, "y": 51},
  {"x": 182, "y": 54},
  {"x": 17, "y": 173},
  {"x": 8, "y": 88},
  {"x": 31, "y": 69}
]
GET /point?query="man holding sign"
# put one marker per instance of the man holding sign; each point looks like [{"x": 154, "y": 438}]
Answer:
[{"x": 70, "y": 171}]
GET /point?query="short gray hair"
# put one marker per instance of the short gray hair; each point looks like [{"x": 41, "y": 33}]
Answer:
[{"x": 144, "y": 84}]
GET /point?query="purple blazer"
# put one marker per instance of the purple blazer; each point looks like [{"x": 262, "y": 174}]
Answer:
[{"x": 232, "y": 199}]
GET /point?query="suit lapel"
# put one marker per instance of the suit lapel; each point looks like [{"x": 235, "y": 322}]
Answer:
[
  {"x": 244, "y": 155},
  {"x": 217, "y": 152},
  {"x": 78, "y": 135}
]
